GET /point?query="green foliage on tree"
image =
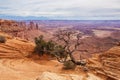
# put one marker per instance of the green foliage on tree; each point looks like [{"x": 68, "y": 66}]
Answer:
[
  {"x": 50, "y": 46},
  {"x": 2, "y": 39},
  {"x": 40, "y": 45},
  {"x": 43, "y": 46}
]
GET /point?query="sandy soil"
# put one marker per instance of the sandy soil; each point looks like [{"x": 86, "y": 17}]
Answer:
[{"x": 24, "y": 69}]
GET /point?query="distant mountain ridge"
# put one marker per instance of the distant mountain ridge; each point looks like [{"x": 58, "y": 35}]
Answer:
[
  {"x": 13, "y": 17},
  {"x": 10, "y": 17}
]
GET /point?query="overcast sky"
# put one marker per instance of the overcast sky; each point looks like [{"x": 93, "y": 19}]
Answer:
[{"x": 62, "y": 9}]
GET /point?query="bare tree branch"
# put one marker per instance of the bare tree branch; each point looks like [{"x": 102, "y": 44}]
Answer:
[{"x": 71, "y": 42}]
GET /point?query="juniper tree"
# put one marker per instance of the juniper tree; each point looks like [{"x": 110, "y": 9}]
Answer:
[{"x": 70, "y": 42}]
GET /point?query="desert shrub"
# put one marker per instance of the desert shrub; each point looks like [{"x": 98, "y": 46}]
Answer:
[
  {"x": 43, "y": 46},
  {"x": 69, "y": 65},
  {"x": 2, "y": 39},
  {"x": 50, "y": 46},
  {"x": 40, "y": 45}
]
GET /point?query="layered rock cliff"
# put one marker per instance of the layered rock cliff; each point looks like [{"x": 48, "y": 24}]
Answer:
[
  {"x": 107, "y": 64},
  {"x": 15, "y": 47}
]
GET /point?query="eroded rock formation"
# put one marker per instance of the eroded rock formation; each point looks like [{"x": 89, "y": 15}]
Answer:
[
  {"x": 19, "y": 29},
  {"x": 108, "y": 64}
]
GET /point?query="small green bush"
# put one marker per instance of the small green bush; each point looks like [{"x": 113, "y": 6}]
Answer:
[
  {"x": 43, "y": 46},
  {"x": 2, "y": 39},
  {"x": 69, "y": 65}
]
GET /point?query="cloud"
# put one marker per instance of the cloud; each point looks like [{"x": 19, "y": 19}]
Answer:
[{"x": 62, "y": 9}]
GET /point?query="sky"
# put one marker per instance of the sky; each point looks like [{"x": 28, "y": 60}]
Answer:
[{"x": 62, "y": 9}]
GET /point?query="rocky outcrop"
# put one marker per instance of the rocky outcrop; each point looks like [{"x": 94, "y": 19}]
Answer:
[
  {"x": 111, "y": 63},
  {"x": 108, "y": 64},
  {"x": 15, "y": 47},
  {"x": 21, "y": 29},
  {"x": 10, "y": 26}
]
